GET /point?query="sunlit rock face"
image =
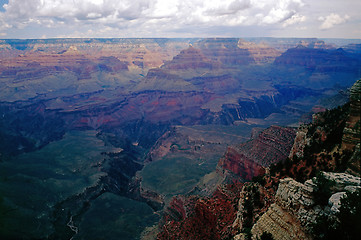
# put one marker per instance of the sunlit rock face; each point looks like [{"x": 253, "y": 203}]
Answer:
[
  {"x": 294, "y": 210},
  {"x": 191, "y": 58},
  {"x": 249, "y": 159},
  {"x": 261, "y": 52},
  {"x": 225, "y": 51}
]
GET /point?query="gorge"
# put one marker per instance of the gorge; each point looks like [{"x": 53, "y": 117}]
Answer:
[{"x": 145, "y": 138}]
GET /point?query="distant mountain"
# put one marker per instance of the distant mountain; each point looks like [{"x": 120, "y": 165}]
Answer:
[
  {"x": 119, "y": 127},
  {"x": 321, "y": 60}
]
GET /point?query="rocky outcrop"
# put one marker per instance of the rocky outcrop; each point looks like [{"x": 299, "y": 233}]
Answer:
[
  {"x": 281, "y": 224},
  {"x": 315, "y": 44},
  {"x": 352, "y": 130},
  {"x": 237, "y": 163},
  {"x": 300, "y": 143},
  {"x": 282, "y": 219},
  {"x": 249, "y": 159},
  {"x": 195, "y": 217},
  {"x": 295, "y": 210},
  {"x": 225, "y": 51},
  {"x": 354, "y": 164},
  {"x": 261, "y": 52},
  {"x": 292, "y": 194},
  {"x": 254, "y": 200},
  {"x": 342, "y": 180},
  {"x": 190, "y": 58}
]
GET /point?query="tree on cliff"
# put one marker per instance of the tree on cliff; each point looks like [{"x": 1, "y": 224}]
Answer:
[{"x": 345, "y": 225}]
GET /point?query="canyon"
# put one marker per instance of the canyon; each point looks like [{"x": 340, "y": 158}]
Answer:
[{"x": 169, "y": 126}]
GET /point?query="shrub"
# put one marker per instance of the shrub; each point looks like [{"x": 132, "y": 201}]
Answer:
[
  {"x": 259, "y": 179},
  {"x": 345, "y": 224},
  {"x": 350, "y": 215},
  {"x": 266, "y": 236},
  {"x": 322, "y": 192}
]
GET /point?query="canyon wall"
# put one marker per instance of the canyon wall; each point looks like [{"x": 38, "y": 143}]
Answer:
[{"x": 251, "y": 158}]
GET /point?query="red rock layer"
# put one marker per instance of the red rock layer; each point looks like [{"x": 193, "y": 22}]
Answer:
[
  {"x": 249, "y": 159},
  {"x": 197, "y": 218}
]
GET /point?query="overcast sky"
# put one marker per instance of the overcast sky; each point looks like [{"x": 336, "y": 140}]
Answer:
[{"x": 180, "y": 18}]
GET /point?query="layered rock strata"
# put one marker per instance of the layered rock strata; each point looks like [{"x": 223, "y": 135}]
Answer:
[
  {"x": 249, "y": 159},
  {"x": 295, "y": 210},
  {"x": 351, "y": 136}
]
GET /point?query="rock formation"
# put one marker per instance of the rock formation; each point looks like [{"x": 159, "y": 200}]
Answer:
[
  {"x": 261, "y": 53},
  {"x": 295, "y": 210},
  {"x": 300, "y": 142},
  {"x": 321, "y": 60},
  {"x": 249, "y": 159},
  {"x": 195, "y": 217},
  {"x": 351, "y": 136},
  {"x": 225, "y": 51},
  {"x": 129, "y": 92},
  {"x": 190, "y": 58}
]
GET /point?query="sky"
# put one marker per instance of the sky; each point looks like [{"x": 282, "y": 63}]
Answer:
[{"x": 26, "y": 19}]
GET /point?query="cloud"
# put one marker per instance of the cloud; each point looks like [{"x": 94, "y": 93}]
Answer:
[
  {"x": 282, "y": 11},
  {"x": 295, "y": 19},
  {"x": 331, "y": 20},
  {"x": 229, "y": 8},
  {"x": 143, "y": 15}
]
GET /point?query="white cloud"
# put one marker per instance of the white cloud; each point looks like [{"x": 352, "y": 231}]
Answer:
[
  {"x": 282, "y": 11},
  {"x": 331, "y": 20},
  {"x": 164, "y": 17},
  {"x": 226, "y": 7},
  {"x": 295, "y": 19}
]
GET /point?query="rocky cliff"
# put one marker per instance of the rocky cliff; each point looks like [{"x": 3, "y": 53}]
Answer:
[
  {"x": 312, "y": 210},
  {"x": 249, "y": 159},
  {"x": 280, "y": 220},
  {"x": 352, "y": 130},
  {"x": 278, "y": 204},
  {"x": 261, "y": 52},
  {"x": 195, "y": 217},
  {"x": 225, "y": 51},
  {"x": 129, "y": 92},
  {"x": 295, "y": 210},
  {"x": 190, "y": 58},
  {"x": 321, "y": 60}
]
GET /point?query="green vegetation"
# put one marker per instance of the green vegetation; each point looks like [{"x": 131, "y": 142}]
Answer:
[
  {"x": 114, "y": 217},
  {"x": 194, "y": 153},
  {"x": 247, "y": 217},
  {"x": 350, "y": 215},
  {"x": 259, "y": 179},
  {"x": 252, "y": 201},
  {"x": 266, "y": 236},
  {"x": 32, "y": 183},
  {"x": 282, "y": 168},
  {"x": 324, "y": 135},
  {"x": 175, "y": 175},
  {"x": 323, "y": 191},
  {"x": 331, "y": 123},
  {"x": 345, "y": 225}
]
